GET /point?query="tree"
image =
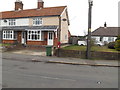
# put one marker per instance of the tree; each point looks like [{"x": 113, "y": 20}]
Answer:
[{"x": 117, "y": 43}]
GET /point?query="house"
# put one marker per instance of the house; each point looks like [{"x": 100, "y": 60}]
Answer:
[
  {"x": 39, "y": 26},
  {"x": 105, "y": 34}
]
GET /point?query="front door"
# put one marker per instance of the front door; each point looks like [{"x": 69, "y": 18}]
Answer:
[
  {"x": 23, "y": 40},
  {"x": 50, "y": 38}
]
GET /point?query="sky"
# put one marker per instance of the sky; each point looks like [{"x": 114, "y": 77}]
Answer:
[{"x": 102, "y": 11}]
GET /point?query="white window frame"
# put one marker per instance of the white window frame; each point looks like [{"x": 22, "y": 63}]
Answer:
[
  {"x": 110, "y": 39},
  {"x": 37, "y": 21},
  {"x": 8, "y": 34},
  {"x": 12, "y": 22},
  {"x": 33, "y": 34}
]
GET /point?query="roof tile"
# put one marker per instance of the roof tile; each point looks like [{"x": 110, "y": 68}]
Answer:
[
  {"x": 50, "y": 11},
  {"x": 109, "y": 31}
]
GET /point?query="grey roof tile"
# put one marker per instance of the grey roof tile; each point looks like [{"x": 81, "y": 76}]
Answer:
[{"x": 22, "y": 28}]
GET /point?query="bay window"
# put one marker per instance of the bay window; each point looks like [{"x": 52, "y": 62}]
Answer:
[
  {"x": 8, "y": 34},
  {"x": 35, "y": 35}
]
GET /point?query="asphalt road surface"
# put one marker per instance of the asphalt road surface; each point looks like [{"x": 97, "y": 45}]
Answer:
[{"x": 24, "y": 74}]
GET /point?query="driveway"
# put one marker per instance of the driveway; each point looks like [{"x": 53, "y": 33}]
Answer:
[
  {"x": 30, "y": 52},
  {"x": 40, "y": 52}
]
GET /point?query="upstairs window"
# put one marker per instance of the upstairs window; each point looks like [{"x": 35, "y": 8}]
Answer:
[
  {"x": 37, "y": 21},
  {"x": 12, "y": 22}
]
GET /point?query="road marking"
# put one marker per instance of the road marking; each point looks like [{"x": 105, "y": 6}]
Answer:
[{"x": 57, "y": 78}]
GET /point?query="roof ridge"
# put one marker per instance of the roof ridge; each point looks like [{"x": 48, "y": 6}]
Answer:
[{"x": 33, "y": 9}]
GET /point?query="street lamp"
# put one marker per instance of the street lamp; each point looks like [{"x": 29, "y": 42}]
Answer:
[{"x": 89, "y": 29}]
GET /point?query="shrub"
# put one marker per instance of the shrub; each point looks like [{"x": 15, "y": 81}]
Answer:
[
  {"x": 117, "y": 45},
  {"x": 111, "y": 45},
  {"x": 118, "y": 38}
]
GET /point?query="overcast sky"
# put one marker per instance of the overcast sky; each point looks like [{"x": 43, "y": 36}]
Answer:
[{"x": 103, "y": 11}]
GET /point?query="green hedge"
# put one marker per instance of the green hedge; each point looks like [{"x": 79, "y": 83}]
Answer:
[{"x": 117, "y": 45}]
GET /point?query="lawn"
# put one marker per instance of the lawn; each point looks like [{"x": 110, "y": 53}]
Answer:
[
  {"x": 93, "y": 48},
  {"x": 5, "y": 44}
]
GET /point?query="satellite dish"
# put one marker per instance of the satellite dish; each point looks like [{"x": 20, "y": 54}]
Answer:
[
  {"x": 5, "y": 20},
  {"x": 64, "y": 19}
]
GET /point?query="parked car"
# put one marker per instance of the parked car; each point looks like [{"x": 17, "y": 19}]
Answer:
[
  {"x": 82, "y": 43},
  {"x": 99, "y": 43}
]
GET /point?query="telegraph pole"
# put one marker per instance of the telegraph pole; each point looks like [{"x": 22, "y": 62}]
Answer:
[{"x": 89, "y": 29}]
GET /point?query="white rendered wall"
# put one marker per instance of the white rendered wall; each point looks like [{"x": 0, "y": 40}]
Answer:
[
  {"x": 19, "y": 22},
  {"x": 105, "y": 39},
  {"x": 97, "y": 38},
  {"x": 22, "y": 22}
]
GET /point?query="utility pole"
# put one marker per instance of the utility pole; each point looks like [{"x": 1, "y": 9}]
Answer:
[{"x": 89, "y": 29}]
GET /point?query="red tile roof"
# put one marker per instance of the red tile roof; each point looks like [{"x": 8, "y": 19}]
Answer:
[
  {"x": 109, "y": 31},
  {"x": 50, "y": 11}
]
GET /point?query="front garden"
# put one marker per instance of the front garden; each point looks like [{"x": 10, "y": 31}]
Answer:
[
  {"x": 5, "y": 45},
  {"x": 110, "y": 47},
  {"x": 93, "y": 48}
]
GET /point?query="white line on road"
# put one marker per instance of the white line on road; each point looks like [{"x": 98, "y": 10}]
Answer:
[{"x": 57, "y": 78}]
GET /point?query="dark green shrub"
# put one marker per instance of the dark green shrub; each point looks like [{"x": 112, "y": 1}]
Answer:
[
  {"x": 111, "y": 45},
  {"x": 117, "y": 45},
  {"x": 118, "y": 38}
]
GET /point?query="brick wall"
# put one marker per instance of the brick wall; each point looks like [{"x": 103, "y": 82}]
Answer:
[
  {"x": 9, "y": 41},
  {"x": 36, "y": 43},
  {"x": 82, "y": 54}
]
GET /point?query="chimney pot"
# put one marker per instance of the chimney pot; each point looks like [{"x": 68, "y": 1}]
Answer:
[{"x": 105, "y": 25}]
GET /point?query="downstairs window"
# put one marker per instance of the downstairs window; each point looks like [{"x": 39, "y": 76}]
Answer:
[
  {"x": 35, "y": 35},
  {"x": 8, "y": 34}
]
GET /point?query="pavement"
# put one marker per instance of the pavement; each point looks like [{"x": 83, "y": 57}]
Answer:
[{"x": 37, "y": 56}]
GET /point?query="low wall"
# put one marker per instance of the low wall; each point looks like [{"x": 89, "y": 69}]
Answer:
[{"x": 82, "y": 54}]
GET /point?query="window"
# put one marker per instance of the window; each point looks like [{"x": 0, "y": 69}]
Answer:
[
  {"x": 37, "y": 21},
  {"x": 50, "y": 35},
  {"x": 15, "y": 35},
  {"x": 8, "y": 35},
  {"x": 34, "y": 35},
  {"x": 12, "y": 22},
  {"x": 101, "y": 38},
  {"x": 110, "y": 39}
]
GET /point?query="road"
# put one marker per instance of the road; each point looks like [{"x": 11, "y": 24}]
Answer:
[{"x": 26, "y": 74}]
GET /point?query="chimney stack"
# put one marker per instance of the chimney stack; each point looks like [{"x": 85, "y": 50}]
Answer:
[
  {"x": 18, "y": 5},
  {"x": 40, "y": 4}
]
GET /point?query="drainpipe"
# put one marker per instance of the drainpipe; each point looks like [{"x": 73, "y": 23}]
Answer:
[{"x": 59, "y": 32}]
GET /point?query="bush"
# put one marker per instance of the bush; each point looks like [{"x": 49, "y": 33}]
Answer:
[
  {"x": 117, "y": 45},
  {"x": 118, "y": 38},
  {"x": 111, "y": 45}
]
